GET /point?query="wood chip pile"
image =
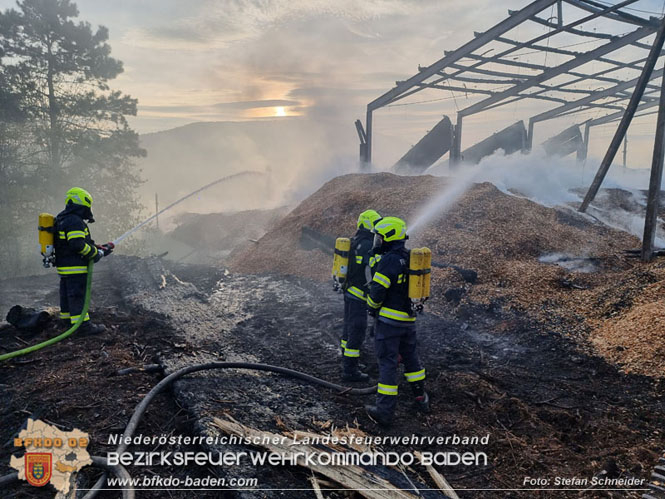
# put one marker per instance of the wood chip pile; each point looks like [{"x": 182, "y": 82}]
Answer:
[
  {"x": 503, "y": 238},
  {"x": 224, "y": 231}
]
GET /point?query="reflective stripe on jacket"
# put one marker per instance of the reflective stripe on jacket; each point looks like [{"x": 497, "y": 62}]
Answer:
[
  {"x": 389, "y": 289},
  {"x": 74, "y": 247},
  {"x": 359, "y": 255}
]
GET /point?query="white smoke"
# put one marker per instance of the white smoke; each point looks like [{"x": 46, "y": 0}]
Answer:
[{"x": 549, "y": 181}]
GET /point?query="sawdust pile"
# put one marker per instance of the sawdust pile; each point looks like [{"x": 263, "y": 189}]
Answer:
[
  {"x": 636, "y": 340},
  {"x": 224, "y": 231},
  {"x": 565, "y": 270},
  {"x": 633, "y": 333},
  {"x": 333, "y": 211}
]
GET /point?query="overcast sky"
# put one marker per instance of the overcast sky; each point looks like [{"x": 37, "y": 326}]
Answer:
[{"x": 218, "y": 60}]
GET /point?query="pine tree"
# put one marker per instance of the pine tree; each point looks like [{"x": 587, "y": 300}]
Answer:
[{"x": 76, "y": 125}]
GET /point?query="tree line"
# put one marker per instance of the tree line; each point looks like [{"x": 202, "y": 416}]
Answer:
[{"x": 61, "y": 125}]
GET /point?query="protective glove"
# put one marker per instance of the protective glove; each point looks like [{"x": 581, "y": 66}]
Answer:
[
  {"x": 106, "y": 248},
  {"x": 98, "y": 256}
]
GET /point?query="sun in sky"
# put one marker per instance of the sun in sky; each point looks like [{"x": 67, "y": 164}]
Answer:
[{"x": 279, "y": 111}]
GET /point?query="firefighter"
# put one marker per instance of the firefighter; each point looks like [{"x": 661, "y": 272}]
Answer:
[
  {"x": 355, "y": 292},
  {"x": 74, "y": 248},
  {"x": 395, "y": 332}
]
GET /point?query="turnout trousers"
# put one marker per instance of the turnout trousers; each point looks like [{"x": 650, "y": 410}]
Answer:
[
  {"x": 355, "y": 325},
  {"x": 390, "y": 342},
  {"x": 72, "y": 296}
]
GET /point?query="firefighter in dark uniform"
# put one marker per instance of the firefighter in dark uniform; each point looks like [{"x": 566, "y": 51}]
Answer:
[
  {"x": 74, "y": 248},
  {"x": 355, "y": 296},
  {"x": 395, "y": 333}
]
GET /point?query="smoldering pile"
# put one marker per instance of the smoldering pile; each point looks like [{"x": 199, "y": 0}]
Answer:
[{"x": 503, "y": 237}]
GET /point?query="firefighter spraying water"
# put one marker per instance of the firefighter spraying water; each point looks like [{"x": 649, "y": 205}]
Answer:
[
  {"x": 397, "y": 292},
  {"x": 392, "y": 284},
  {"x": 65, "y": 243}
]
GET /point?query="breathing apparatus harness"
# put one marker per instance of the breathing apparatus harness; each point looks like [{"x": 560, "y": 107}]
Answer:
[
  {"x": 418, "y": 267},
  {"x": 46, "y": 230}
]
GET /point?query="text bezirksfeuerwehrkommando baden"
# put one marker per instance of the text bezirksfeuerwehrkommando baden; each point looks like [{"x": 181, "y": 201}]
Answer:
[
  {"x": 296, "y": 458},
  {"x": 297, "y": 454}
]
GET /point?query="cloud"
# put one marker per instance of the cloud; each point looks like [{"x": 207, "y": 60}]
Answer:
[
  {"x": 219, "y": 23},
  {"x": 239, "y": 105}
]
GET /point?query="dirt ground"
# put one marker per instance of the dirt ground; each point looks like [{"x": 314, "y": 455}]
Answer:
[
  {"x": 73, "y": 385},
  {"x": 554, "y": 349},
  {"x": 550, "y": 408},
  {"x": 567, "y": 271}
]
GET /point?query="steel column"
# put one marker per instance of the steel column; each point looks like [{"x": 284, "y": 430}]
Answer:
[
  {"x": 368, "y": 145},
  {"x": 627, "y": 117},
  {"x": 653, "y": 198},
  {"x": 529, "y": 135},
  {"x": 456, "y": 150},
  {"x": 584, "y": 151}
]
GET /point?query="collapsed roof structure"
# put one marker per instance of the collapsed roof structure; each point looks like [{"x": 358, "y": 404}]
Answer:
[{"x": 614, "y": 76}]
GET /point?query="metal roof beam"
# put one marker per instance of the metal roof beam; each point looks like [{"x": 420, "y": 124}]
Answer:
[
  {"x": 506, "y": 25},
  {"x": 597, "y": 77},
  {"x": 618, "y": 115},
  {"x": 582, "y": 76},
  {"x": 456, "y": 89},
  {"x": 507, "y": 62},
  {"x": 608, "y": 92},
  {"x": 591, "y": 6},
  {"x": 553, "y": 88},
  {"x": 561, "y": 69},
  {"x": 590, "y": 34},
  {"x": 559, "y": 29},
  {"x": 487, "y": 72},
  {"x": 572, "y": 53},
  {"x": 536, "y": 96},
  {"x": 470, "y": 79}
]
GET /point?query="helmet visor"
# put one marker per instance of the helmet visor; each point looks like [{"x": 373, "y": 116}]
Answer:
[{"x": 378, "y": 240}]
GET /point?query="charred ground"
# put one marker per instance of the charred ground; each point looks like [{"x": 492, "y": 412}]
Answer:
[{"x": 511, "y": 357}]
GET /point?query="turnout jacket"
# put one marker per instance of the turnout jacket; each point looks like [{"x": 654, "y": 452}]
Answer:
[
  {"x": 74, "y": 247},
  {"x": 389, "y": 288},
  {"x": 355, "y": 286}
]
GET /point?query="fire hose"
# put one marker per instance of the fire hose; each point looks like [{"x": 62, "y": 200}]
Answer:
[
  {"x": 143, "y": 405},
  {"x": 115, "y": 242},
  {"x": 69, "y": 332}
]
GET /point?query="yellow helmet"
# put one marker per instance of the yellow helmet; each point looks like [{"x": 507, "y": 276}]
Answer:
[
  {"x": 79, "y": 196},
  {"x": 368, "y": 218},
  {"x": 391, "y": 229}
]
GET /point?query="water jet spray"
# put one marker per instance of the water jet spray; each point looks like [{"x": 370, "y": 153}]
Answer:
[
  {"x": 86, "y": 304},
  {"x": 178, "y": 201}
]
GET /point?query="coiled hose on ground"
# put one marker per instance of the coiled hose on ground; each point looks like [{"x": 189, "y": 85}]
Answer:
[
  {"x": 69, "y": 332},
  {"x": 143, "y": 405}
]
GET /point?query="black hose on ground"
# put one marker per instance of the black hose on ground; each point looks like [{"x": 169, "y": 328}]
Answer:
[
  {"x": 143, "y": 405},
  {"x": 8, "y": 479},
  {"x": 99, "y": 461},
  {"x": 120, "y": 472}
]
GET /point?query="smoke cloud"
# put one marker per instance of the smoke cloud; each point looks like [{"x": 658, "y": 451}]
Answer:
[{"x": 549, "y": 181}]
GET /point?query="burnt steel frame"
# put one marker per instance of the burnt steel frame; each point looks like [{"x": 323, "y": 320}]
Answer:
[{"x": 470, "y": 64}]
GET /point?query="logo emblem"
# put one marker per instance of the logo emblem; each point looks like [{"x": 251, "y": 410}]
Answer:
[{"x": 37, "y": 468}]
